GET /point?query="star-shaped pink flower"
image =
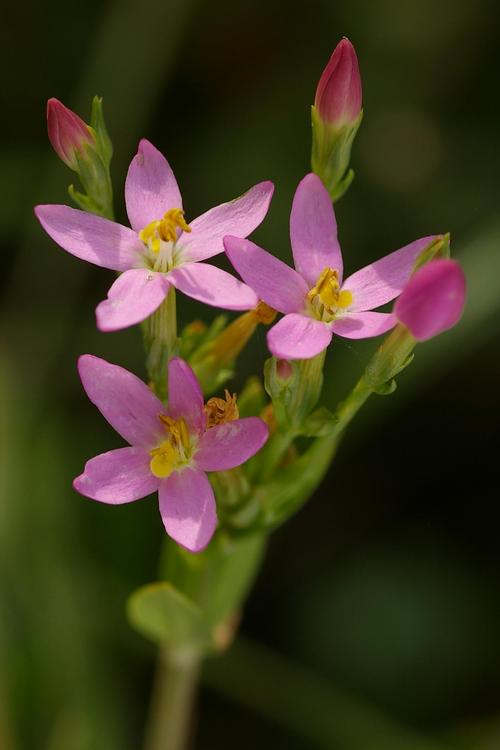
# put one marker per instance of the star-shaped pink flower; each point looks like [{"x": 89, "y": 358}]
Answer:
[
  {"x": 314, "y": 299},
  {"x": 160, "y": 249},
  {"x": 170, "y": 448}
]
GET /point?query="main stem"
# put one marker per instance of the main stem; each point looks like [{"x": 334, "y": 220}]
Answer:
[{"x": 169, "y": 722}]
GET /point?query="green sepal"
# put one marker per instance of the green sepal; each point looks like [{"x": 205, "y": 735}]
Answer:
[
  {"x": 438, "y": 248},
  {"x": 331, "y": 153},
  {"x": 167, "y": 617},
  {"x": 84, "y": 201},
  {"x": 385, "y": 389},
  {"x": 104, "y": 145},
  {"x": 319, "y": 423}
]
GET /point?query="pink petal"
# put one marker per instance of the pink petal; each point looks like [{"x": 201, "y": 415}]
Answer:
[
  {"x": 433, "y": 300},
  {"x": 100, "y": 241},
  {"x": 275, "y": 282},
  {"x": 230, "y": 444},
  {"x": 123, "y": 400},
  {"x": 240, "y": 217},
  {"x": 363, "y": 325},
  {"x": 382, "y": 281},
  {"x": 116, "y": 477},
  {"x": 298, "y": 337},
  {"x": 185, "y": 397},
  {"x": 132, "y": 298},
  {"x": 150, "y": 188},
  {"x": 213, "y": 286},
  {"x": 187, "y": 507},
  {"x": 313, "y": 230}
]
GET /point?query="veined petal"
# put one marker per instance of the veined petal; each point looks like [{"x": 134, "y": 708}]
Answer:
[
  {"x": 117, "y": 477},
  {"x": 127, "y": 403},
  {"x": 150, "y": 188},
  {"x": 239, "y": 217},
  {"x": 185, "y": 397},
  {"x": 132, "y": 298},
  {"x": 298, "y": 337},
  {"x": 382, "y": 281},
  {"x": 313, "y": 230},
  {"x": 231, "y": 443},
  {"x": 363, "y": 325},
  {"x": 213, "y": 286},
  {"x": 187, "y": 507},
  {"x": 100, "y": 241},
  {"x": 276, "y": 283}
]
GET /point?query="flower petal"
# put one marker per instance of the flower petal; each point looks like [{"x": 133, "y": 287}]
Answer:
[
  {"x": 100, "y": 241},
  {"x": 185, "y": 397},
  {"x": 129, "y": 406},
  {"x": 230, "y": 444},
  {"x": 313, "y": 230},
  {"x": 132, "y": 298},
  {"x": 187, "y": 507},
  {"x": 116, "y": 477},
  {"x": 363, "y": 325},
  {"x": 213, "y": 286},
  {"x": 433, "y": 300},
  {"x": 382, "y": 281},
  {"x": 239, "y": 217},
  {"x": 298, "y": 337},
  {"x": 150, "y": 188},
  {"x": 275, "y": 282}
]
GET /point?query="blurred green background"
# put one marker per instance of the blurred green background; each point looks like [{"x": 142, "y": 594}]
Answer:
[{"x": 374, "y": 623}]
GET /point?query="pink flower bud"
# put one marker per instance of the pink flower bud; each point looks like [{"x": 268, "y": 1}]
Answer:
[
  {"x": 67, "y": 132},
  {"x": 284, "y": 369},
  {"x": 338, "y": 95},
  {"x": 433, "y": 299}
]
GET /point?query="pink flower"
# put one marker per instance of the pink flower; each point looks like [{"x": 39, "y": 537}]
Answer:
[
  {"x": 170, "y": 448},
  {"x": 338, "y": 95},
  {"x": 161, "y": 249},
  {"x": 433, "y": 300},
  {"x": 68, "y": 133},
  {"x": 315, "y": 300}
]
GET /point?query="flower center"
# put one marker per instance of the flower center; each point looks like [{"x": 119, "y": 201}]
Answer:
[
  {"x": 160, "y": 237},
  {"x": 174, "y": 451},
  {"x": 219, "y": 410},
  {"x": 326, "y": 297}
]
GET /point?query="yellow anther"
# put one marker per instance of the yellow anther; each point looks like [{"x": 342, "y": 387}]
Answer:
[
  {"x": 326, "y": 296},
  {"x": 173, "y": 451},
  {"x": 163, "y": 460},
  {"x": 219, "y": 410},
  {"x": 344, "y": 298},
  {"x": 164, "y": 230}
]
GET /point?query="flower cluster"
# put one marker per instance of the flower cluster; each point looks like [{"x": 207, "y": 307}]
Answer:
[{"x": 172, "y": 445}]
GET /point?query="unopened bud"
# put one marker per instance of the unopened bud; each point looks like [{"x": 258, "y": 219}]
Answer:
[
  {"x": 433, "y": 300},
  {"x": 284, "y": 369},
  {"x": 68, "y": 133},
  {"x": 338, "y": 95},
  {"x": 336, "y": 117}
]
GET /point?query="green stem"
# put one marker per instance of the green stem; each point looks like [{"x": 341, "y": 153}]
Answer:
[
  {"x": 389, "y": 360},
  {"x": 275, "y": 450},
  {"x": 170, "y": 715},
  {"x": 160, "y": 337}
]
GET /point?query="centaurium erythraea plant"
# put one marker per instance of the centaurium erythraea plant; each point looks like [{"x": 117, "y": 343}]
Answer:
[
  {"x": 160, "y": 249},
  {"x": 314, "y": 299},
  {"x": 170, "y": 448}
]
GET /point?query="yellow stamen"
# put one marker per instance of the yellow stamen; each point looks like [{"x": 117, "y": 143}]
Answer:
[
  {"x": 172, "y": 452},
  {"x": 326, "y": 293},
  {"x": 164, "y": 230},
  {"x": 219, "y": 410}
]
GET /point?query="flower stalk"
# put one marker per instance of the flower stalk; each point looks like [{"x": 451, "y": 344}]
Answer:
[{"x": 161, "y": 342}]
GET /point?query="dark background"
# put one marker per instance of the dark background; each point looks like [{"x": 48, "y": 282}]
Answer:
[{"x": 374, "y": 624}]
